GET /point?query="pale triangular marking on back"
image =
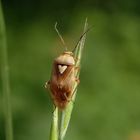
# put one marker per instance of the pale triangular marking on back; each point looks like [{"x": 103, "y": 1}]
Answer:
[{"x": 62, "y": 68}]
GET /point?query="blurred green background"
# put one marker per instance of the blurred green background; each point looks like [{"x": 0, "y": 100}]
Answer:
[{"x": 107, "y": 106}]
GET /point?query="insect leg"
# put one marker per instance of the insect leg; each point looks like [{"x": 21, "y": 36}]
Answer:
[
  {"x": 76, "y": 59},
  {"x": 47, "y": 84},
  {"x": 68, "y": 100},
  {"x": 66, "y": 97},
  {"x": 77, "y": 80},
  {"x": 74, "y": 91},
  {"x": 77, "y": 70}
]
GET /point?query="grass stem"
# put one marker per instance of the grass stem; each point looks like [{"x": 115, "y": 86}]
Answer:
[
  {"x": 5, "y": 78},
  {"x": 54, "y": 126}
]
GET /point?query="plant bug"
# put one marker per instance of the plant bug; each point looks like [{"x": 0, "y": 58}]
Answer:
[{"x": 63, "y": 76}]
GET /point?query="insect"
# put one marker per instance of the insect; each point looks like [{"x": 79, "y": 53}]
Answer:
[{"x": 63, "y": 77}]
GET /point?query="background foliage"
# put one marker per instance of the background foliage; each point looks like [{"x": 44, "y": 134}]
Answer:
[{"x": 108, "y": 99}]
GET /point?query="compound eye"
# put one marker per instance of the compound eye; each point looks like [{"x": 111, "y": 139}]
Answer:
[{"x": 62, "y": 68}]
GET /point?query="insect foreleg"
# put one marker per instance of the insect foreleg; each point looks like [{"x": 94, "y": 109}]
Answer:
[
  {"x": 77, "y": 80},
  {"x": 77, "y": 69},
  {"x": 47, "y": 84}
]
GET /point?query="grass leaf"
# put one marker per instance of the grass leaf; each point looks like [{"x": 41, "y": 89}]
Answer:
[
  {"x": 5, "y": 78},
  {"x": 66, "y": 114}
]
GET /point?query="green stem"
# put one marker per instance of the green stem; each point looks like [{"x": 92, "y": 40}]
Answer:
[
  {"x": 5, "y": 78},
  {"x": 65, "y": 118},
  {"x": 54, "y": 126}
]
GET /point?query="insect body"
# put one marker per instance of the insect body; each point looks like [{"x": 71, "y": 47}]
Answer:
[
  {"x": 63, "y": 76},
  {"x": 63, "y": 79}
]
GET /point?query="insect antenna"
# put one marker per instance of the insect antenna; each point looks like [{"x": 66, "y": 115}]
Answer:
[
  {"x": 81, "y": 38},
  {"x": 62, "y": 40}
]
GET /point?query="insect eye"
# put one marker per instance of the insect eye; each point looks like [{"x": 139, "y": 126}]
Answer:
[{"x": 62, "y": 68}]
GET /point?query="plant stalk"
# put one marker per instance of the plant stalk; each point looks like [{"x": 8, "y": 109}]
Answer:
[
  {"x": 5, "y": 78},
  {"x": 54, "y": 125}
]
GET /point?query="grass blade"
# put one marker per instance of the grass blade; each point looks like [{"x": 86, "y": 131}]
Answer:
[
  {"x": 66, "y": 114},
  {"x": 5, "y": 78}
]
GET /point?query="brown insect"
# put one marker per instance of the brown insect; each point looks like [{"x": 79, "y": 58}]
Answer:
[{"x": 63, "y": 79}]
